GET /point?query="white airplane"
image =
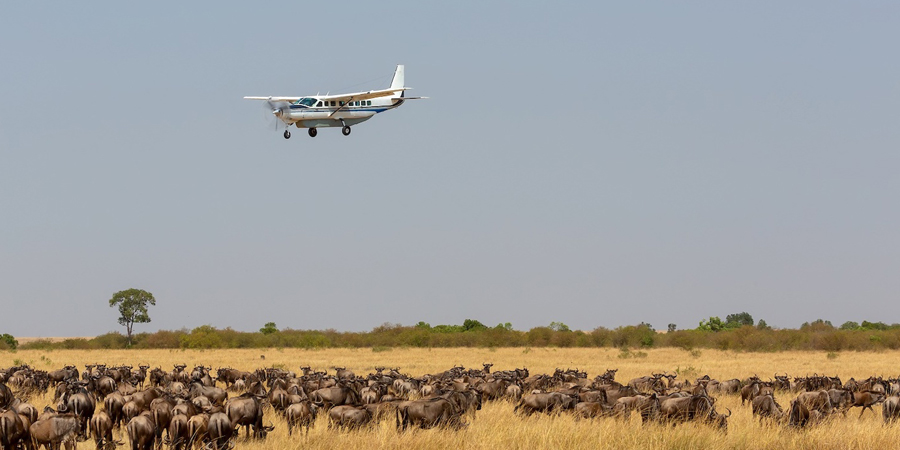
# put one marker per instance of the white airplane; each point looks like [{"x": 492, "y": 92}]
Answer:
[{"x": 342, "y": 110}]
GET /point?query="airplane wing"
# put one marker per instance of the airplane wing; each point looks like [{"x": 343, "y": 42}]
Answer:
[
  {"x": 275, "y": 99},
  {"x": 368, "y": 95}
]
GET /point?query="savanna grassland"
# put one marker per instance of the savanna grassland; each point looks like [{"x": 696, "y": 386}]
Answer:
[{"x": 495, "y": 426}]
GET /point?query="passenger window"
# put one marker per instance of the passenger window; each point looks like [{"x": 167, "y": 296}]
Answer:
[
  {"x": 369, "y": 103},
  {"x": 332, "y": 103}
]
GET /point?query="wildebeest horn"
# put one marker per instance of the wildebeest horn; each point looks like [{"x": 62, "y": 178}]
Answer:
[{"x": 729, "y": 412}]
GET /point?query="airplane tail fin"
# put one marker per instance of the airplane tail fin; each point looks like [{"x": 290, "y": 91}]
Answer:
[{"x": 398, "y": 81}]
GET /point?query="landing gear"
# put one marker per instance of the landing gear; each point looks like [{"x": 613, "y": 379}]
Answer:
[
  {"x": 313, "y": 132},
  {"x": 346, "y": 130},
  {"x": 287, "y": 134}
]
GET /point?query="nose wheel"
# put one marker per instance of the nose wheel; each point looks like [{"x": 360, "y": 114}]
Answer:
[
  {"x": 346, "y": 130},
  {"x": 287, "y": 134},
  {"x": 313, "y": 132}
]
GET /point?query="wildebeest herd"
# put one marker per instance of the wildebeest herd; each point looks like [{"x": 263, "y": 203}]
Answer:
[{"x": 186, "y": 409}]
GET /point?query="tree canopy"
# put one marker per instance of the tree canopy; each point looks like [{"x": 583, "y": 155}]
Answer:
[
  {"x": 9, "y": 341},
  {"x": 738, "y": 320},
  {"x": 132, "y": 305}
]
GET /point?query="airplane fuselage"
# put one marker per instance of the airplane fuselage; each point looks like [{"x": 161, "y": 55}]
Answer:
[{"x": 322, "y": 112}]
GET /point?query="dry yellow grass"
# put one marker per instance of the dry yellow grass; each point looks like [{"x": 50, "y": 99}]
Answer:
[{"x": 496, "y": 427}]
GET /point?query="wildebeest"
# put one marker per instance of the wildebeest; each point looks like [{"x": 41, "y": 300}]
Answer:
[
  {"x": 841, "y": 399},
  {"x": 187, "y": 408},
  {"x": 247, "y": 411},
  {"x": 26, "y": 409},
  {"x": 372, "y": 394},
  {"x": 590, "y": 410},
  {"x": 141, "y": 431},
  {"x": 278, "y": 398},
  {"x": 766, "y": 406},
  {"x": 750, "y": 391},
  {"x": 300, "y": 414},
  {"x": 161, "y": 408},
  {"x": 866, "y": 399},
  {"x": 816, "y": 401},
  {"x": 801, "y": 415},
  {"x": 335, "y": 396},
  {"x": 143, "y": 398},
  {"x": 890, "y": 409},
  {"x": 55, "y": 430},
  {"x": 14, "y": 429},
  {"x": 646, "y": 405},
  {"x": 731, "y": 386},
  {"x": 344, "y": 374},
  {"x": 198, "y": 429},
  {"x": 428, "y": 413},
  {"x": 216, "y": 395},
  {"x": 493, "y": 390},
  {"x": 67, "y": 373},
  {"x": 177, "y": 434},
  {"x": 346, "y": 416},
  {"x": 6, "y": 396},
  {"x": 82, "y": 404},
  {"x": 220, "y": 431},
  {"x": 615, "y": 393},
  {"x": 648, "y": 383},
  {"x": 695, "y": 407},
  {"x": 101, "y": 427},
  {"x": 113, "y": 404},
  {"x": 545, "y": 402}
]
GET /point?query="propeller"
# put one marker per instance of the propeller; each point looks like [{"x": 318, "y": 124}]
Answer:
[{"x": 277, "y": 109}]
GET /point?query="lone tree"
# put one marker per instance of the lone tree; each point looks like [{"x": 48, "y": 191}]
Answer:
[{"x": 132, "y": 305}]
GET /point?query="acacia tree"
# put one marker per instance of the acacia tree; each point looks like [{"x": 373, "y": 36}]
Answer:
[{"x": 132, "y": 305}]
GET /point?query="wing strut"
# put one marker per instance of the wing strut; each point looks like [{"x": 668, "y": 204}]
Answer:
[{"x": 347, "y": 103}]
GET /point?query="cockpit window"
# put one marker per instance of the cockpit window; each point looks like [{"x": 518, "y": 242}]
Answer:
[{"x": 306, "y": 101}]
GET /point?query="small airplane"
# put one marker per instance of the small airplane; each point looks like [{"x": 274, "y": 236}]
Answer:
[{"x": 341, "y": 110}]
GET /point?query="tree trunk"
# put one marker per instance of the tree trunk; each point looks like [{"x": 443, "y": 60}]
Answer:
[{"x": 129, "y": 327}]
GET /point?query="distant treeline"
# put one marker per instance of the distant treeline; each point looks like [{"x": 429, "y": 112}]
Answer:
[{"x": 739, "y": 334}]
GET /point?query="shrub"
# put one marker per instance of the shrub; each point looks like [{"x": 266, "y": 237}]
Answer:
[{"x": 8, "y": 342}]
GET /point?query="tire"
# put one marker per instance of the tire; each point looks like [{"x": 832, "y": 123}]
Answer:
[
  {"x": 346, "y": 130},
  {"x": 313, "y": 132},
  {"x": 287, "y": 134}
]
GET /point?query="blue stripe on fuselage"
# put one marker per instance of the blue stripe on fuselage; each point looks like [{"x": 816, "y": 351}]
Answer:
[{"x": 377, "y": 110}]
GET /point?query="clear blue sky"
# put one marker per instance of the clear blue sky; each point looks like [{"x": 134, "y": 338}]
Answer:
[{"x": 594, "y": 163}]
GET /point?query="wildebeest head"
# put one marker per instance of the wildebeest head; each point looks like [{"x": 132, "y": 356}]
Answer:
[
  {"x": 262, "y": 432},
  {"x": 720, "y": 420}
]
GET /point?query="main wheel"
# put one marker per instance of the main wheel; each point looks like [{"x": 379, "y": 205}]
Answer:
[
  {"x": 287, "y": 134},
  {"x": 346, "y": 130},
  {"x": 313, "y": 132}
]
